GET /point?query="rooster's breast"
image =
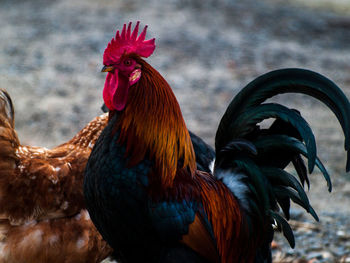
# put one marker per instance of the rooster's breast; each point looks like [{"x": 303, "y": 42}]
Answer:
[{"x": 116, "y": 195}]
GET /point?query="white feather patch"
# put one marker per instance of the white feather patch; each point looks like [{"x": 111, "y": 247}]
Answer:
[
  {"x": 234, "y": 181},
  {"x": 211, "y": 166}
]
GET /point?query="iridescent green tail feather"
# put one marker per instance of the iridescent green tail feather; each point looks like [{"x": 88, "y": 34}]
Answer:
[{"x": 287, "y": 140}]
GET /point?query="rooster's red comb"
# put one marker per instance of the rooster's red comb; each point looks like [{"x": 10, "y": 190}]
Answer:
[{"x": 128, "y": 42}]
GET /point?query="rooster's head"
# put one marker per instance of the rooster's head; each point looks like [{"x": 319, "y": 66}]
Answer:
[{"x": 120, "y": 61}]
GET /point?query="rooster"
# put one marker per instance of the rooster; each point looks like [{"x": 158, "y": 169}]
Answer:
[
  {"x": 151, "y": 201},
  {"x": 42, "y": 211}
]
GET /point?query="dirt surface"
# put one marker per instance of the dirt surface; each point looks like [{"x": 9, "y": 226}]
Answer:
[{"x": 51, "y": 56}]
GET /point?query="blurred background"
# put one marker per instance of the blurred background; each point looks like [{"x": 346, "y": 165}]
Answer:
[{"x": 51, "y": 56}]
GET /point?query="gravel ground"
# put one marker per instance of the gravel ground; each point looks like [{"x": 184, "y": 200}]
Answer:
[{"x": 51, "y": 55}]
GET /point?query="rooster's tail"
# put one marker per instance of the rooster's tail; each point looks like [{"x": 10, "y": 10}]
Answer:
[{"x": 252, "y": 160}]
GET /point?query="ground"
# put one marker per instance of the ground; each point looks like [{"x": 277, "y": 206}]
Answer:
[{"x": 51, "y": 56}]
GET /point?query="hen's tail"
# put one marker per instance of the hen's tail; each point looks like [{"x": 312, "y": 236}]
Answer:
[
  {"x": 256, "y": 157},
  {"x": 8, "y": 137}
]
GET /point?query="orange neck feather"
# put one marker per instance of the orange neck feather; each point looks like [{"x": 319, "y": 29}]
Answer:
[{"x": 152, "y": 125}]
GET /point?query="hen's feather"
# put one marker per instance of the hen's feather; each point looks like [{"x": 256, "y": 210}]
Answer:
[{"x": 42, "y": 210}]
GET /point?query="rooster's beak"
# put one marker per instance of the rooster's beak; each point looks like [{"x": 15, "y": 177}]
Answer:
[{"x": 107, "y": 69}]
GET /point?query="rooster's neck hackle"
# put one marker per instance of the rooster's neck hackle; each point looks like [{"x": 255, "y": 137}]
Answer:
[{"x": 152, "y": 127}]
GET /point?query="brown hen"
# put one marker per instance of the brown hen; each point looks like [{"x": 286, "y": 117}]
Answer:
[{"x": 42, "y": 211}]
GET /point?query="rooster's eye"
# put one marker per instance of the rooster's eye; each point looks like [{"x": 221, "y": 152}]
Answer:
[{"x": 127, "y": 62}]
